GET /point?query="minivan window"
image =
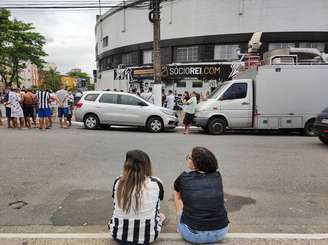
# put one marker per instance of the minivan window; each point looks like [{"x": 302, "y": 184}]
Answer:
[
  {"x": 236, "y": 91},
  {"x": 91, "y": 97},
  {"x": 130, "y": 100},
  {"x": 218, "y": 90},
  {"x": 325, "y": 110},
  {"x": 108, "y": 98}
]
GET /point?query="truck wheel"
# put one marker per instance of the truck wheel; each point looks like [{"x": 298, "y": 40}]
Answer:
[
  {"x": 309, "y": 129},
  {"x": 155, "y": 125},
  {"x": 323, "y": 139},
  {"x": 91, "y": 121},
  {"x": 217, "y": 126}
]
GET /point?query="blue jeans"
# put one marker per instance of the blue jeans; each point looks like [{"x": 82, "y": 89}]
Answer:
[{"x": 200, "y": 237}]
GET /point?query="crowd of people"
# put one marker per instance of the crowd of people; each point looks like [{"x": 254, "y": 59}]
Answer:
[
  {"x": 199, "y": 201},
  {"x": 186, "y": 104},
  {"x": 26, "y": 108}
]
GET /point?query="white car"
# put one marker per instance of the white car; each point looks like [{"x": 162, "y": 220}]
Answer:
[{"x": 105, "y": 108}]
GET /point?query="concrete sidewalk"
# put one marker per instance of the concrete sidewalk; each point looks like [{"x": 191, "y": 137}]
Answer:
[{"x": 165, "y": 238}]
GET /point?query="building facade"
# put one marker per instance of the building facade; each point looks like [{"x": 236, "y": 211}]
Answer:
[{"x": 196, "y": 33}]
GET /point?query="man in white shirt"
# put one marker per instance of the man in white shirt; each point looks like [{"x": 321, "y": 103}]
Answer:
[
  {"x": 170, "y": 100},
  {"x": 149, "y": 96}
]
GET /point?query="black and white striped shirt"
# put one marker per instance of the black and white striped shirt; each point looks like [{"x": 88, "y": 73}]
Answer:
[
  {"x": 144, "y": 226},
  {"x": 43, "y": 99}
]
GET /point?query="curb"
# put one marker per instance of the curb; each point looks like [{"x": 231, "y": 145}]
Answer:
[
  {"x": 164, "y": 236},
  {"x": 81, "y": 124}
]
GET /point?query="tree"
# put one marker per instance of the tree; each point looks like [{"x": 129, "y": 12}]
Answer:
[
  {"x": 51, "y": 79},
  {"x": 18, "y": 44}
]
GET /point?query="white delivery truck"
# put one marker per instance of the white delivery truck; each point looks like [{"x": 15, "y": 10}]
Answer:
[{"x": 272, "y": 96}]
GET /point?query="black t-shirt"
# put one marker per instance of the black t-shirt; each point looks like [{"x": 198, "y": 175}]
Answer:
[{"x": 203, "y": 201}]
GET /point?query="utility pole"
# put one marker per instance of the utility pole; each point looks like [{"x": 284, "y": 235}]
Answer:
[{"x": 155, "y": 18}]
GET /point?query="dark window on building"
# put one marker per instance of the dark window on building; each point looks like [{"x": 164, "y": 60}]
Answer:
[
  {"x": 187, "y": 54},
  {"x": 318, "y": 45},
  {"x": 129, "y": 100},
  {"x": 105, "y": 41},
  {"x": 147, "y": 57},
  {"x": 108, "y": 98},
  {"x": 206, "y": 52},
  {"x": 127, "y": 59},
  {"x": 281, "y": 45},
  {"x": 226, "y": 52},
  {"x": 181, "y": 84},
  {"x": 197, "y": 84},
  {"x": 91, "y": 97},
  {"x": 117, "y": 60},
  {"x": 166, "y": 55},
  {"x": 236, "y": 91}
]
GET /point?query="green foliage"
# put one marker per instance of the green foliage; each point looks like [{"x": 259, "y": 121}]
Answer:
[
  {"x": 18, "y": 44},
  {"x": 85, "y": 76},
  {"x": 51, "y": 79},
  {"x": 79, "y": 74}
]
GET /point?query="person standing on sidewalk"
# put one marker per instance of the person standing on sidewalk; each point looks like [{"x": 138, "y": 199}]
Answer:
[
  {"x": 170, "y": 100},
  {"x": 28, "y": 102},
  {"x": 8, "y": 108},
  {"x": 17, "y": 113},
  {"x": 62, "y": 97},
  {"x": 149, "y": 96},
  {"x": 44, "y": 111},
  {"x": 1, "y": 102},
  {"x": 53, "y": 107},
  {"x": 189, "y": 109},
  {"x": 70, "y": 102}
]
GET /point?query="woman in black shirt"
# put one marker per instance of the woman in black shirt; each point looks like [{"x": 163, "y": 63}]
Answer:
[{"x": 202, "y": 216}]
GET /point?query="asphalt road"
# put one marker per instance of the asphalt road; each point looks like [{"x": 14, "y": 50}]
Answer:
[{"x": 61, "y": 180}]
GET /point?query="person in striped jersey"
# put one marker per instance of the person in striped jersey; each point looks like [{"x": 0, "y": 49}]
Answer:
[
  {"x": 136, "y": 194},
  {"x": 44, "y": 112}
]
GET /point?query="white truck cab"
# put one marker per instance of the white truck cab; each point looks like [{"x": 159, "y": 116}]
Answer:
[{"x": 230, "y": 104}]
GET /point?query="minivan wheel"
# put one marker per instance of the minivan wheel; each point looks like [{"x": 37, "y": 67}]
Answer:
[
  {"x": 309, "y": 129},
  {"x": 324, "y": 139},
  {"x": 155, "y": 125},
  {"x": 105, "y": 126},
  {"x": 91, "y": 121},
  {"x": 217, "y": 126}
]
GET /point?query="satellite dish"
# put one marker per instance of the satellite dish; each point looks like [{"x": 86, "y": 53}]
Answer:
[{"x": 255, "y": 44}]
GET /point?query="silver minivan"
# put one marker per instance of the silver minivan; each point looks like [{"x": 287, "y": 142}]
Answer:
[{"x": 105, "y": 108}]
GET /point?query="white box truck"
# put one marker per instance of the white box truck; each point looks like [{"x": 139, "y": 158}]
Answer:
[{"x": 267, "y": 97}]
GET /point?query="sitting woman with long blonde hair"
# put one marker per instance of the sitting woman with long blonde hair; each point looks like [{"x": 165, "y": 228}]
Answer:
[{"x": 137, "y": 195}]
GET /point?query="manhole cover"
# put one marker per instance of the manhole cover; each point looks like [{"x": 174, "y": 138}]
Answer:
[{"x": 17, "y": 204}]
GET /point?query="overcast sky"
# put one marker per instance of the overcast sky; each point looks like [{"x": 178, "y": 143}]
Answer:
[{"x": 70, "y": 36}]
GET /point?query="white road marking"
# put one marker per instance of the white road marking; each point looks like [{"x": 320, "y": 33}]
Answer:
[{"x": 163, "y": 236}]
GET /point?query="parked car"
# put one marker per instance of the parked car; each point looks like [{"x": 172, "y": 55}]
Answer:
[
  {"x": 321, "y": 126},
  {"x": 103, "y": 108}
]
